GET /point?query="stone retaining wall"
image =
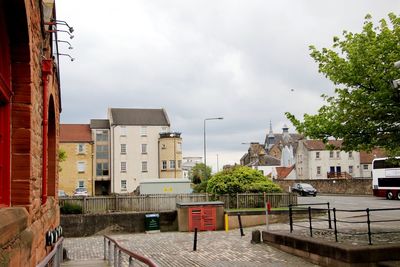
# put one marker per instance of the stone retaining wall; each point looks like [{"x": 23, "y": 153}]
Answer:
[
  {"x": 333, "y": 186},
  {"x": 78, "y": 225}
]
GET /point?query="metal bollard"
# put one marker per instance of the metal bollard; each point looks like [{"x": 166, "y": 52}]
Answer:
[
  {"x": 109, "y": 252},
  {"x": 240, "y": 225},
  {"x": 105, "y": 249},
  {"x": 290, "y": 218},
  {"x": 369, "y": 227},
  {"x": 195, "y": 240},
  {"x": 309, "y": 219},
  {"x": 115, "y": 256}
]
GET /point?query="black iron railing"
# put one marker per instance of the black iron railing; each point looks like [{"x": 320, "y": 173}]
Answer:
[{"x": 358, "y": 222}]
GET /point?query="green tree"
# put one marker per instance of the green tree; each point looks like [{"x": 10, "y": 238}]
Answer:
[
  {"x": 200, "y": 172},
  {"x": 365, "y": 112},
  {"x": 62, "y": 156},
  {"x": 240, "y": 179}
]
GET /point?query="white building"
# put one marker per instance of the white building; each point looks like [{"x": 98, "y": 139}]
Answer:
[
  {"x": 188, "y": 163},
  {"x": 315, "y": 161},
  {"x": 134, "y": 146}
]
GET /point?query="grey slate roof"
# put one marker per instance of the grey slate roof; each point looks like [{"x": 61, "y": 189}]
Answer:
[
  {"x": 99, "y": 124},
  {"x": 138, "y": 116}
]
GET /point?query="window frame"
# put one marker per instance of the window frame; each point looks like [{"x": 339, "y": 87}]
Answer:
[
  {"x": 81, "y": 166},
  {"x": 123, "y": 167},
  {"x": 143, "y": 130},
  {"x": 144, "y": 148},
  {"x": 123, "y": 149},
  {"x": 144, "y": 166},
  {"x": 164, "y": 165},
  {"x": 80, "y": 148},
  {"x": 172, "y": 164},
  {"x": 124, "y": 185}
]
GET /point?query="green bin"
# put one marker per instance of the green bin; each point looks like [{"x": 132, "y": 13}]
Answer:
[{"x": 152, "y": 222}]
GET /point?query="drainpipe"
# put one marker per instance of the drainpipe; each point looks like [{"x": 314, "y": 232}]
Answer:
[{"x": 46, "y": 70}]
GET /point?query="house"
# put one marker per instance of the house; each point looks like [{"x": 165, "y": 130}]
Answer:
[
  {"x": 257, "y": 158},
  {"x": 77, "y": 170},
  {"x": 281, "y": 173},
  {"x": 101, "y": 156},
  {"x": 315, "y": 161},
  {"x": 135, "y": 137},
  {"x": 29, "y": 125},
  {"x": 170, "y": 153},
  {"x": 188, "y": 164},
  {"x": 282, "y": 146},
  {"x": 366, "y": 159}
]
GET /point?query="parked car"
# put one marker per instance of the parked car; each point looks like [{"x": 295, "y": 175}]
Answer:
[
  {"x": 81, "y": 191},
  {"x": 304, "y": 189},
  {"x": 61, "y": 193}
]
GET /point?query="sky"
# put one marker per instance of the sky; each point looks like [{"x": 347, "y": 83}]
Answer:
[{"x": 244, "y": 60}]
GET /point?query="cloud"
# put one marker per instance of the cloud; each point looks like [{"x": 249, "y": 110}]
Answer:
[{"x": 197, "y": 59}]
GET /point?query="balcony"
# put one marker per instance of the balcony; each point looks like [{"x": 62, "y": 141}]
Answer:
[{"x": 338, "y": 175}]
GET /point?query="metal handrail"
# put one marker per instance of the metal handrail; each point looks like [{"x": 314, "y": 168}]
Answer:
[
  {"x": 117, "y": 254},
  {"x": 56, "y": 253}
]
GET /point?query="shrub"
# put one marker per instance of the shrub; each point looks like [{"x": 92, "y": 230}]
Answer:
[{"x": 70, "y": 208}]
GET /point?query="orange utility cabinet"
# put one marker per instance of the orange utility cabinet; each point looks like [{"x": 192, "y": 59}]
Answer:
[{"x": 205, "y": 216}]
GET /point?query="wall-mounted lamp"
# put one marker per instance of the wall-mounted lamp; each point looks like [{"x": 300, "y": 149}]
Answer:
[
  {"x": 67, "y": 55},
  {"x": 62, "y": 41},
  {"x": 60, "y": 22},
  {"x": 70, "y": 35}
]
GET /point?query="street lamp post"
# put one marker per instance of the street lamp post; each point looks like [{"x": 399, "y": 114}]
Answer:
[{"x": 204, "y": 128}]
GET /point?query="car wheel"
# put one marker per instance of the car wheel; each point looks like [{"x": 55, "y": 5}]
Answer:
[
  {"x": 398, "y": 195},
  {"x": 389, "y": 195},
  {"x": 315, "y": 195}
]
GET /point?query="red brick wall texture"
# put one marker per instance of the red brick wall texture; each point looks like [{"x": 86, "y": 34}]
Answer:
[{"x": 27, "y": 219}]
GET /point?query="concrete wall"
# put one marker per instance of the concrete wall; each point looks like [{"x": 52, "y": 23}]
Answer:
[
  {"x": 333, "y": 186},
  {"x": 127, "y": 222}
]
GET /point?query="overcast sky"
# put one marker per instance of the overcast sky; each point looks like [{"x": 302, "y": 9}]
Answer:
[{"x": 247, "y": 61}]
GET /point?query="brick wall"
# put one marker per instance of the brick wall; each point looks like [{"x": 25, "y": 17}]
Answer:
[
  {"x": 24, "y": 224},
  {"x": 334, "y": 186}
]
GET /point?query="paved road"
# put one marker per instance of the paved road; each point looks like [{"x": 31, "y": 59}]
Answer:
[{"x": 175, "y": 249}]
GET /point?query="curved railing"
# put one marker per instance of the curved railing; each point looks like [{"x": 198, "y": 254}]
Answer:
[{"x": 116, "y": 258}]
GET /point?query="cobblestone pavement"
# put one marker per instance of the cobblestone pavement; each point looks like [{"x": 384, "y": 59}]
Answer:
[{"x": 175, "y": 249}]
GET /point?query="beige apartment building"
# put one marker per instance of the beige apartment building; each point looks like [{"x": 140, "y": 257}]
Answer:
[
  {"x": 170, "y": 151},
  {"x": 76, "y": 170},
  {"x": 134, "y": 146}
]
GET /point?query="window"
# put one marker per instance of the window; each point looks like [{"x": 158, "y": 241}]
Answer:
[
  {"x": 81, "y": 148},
  {"x": 123, "y": 149},
  {"x": 101, "y": 136},
  {"x": 338, "y": 154},
  {"x": 123, "y": 166},
  {"x": 330, "y": 154},
  {"x": 144, "y": 166},
  {"x": 164, "y": 129},
  {"x": 102, "y": 169},
  {"x": 317, "y": 155},
  {"x": 350, "y": 169},
  {"x": 143, "y": 131},
  {"x": 164, "y": 165},
  {"x": 179, "y": 164},
  {"x": 123, "y": 131},
  {"x": 365, "y": 166},
  {"x": 81, "y": 184},
  {"x": 144, "y": 148},
  {"x": 172, "y": 164},
  {"x": 123, "y": 185},
  {"x": 102, "y": 151},
  {"x": 81, "y": 166},
  {"x": 319, "y": 170},
  {"x": 350, "y": 155},
  {"x": 179, "y": 147}
]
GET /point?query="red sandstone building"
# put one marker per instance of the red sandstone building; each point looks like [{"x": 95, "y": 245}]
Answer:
[{"x": 29, "y": 126}]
